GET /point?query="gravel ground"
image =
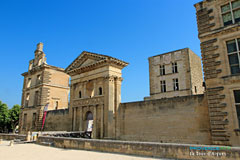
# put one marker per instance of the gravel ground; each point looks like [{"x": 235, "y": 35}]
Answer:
[{"x": 38, "y": 152}]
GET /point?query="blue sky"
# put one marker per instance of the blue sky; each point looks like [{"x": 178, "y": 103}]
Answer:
[{"x": 131, "y": 30}]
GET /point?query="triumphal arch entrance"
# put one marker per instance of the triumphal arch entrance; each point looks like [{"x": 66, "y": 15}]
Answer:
[{"x": 95, "y": 93}]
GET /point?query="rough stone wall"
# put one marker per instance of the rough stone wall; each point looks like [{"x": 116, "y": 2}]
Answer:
[
  {"x": 196, "y": 73},
  {"x": 177, "y": 120},
  {"x": 58, "y": 120},
  {"x": 219, "y": 81}
]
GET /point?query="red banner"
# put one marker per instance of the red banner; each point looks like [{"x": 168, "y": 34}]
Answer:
[{"x": 44, "y": 115}]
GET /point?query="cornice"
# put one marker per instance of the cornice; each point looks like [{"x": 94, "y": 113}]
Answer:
[
  {"x": 44, "y": 84},
  {"x": 220, "y": 31},
  {"x": 42, "y": 67}
]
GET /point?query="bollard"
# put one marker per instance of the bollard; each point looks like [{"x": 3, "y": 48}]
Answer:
[
  {"x": 11, "y": 143},
  {"x": 35, "y": 136},
  {"x": 28, "y": 137}
]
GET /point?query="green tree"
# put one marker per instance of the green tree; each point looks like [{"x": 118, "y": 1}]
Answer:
[
  {"x": 4, "y": 117},
  {"x": 14, "y": 117}
]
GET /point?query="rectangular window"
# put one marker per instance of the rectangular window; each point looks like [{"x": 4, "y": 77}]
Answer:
[
  {"x": 27, "y": 99},
  {"x": 233, "y": 55},
  {"x": 56, "y": 105},
  {"x": 162, "y": 70},
  {"x": 38, "y": 79},
  {"x": 29, "y": 82},
  {"x": 163, "y": 86},
  {"x": 237, "y": 104},
  {"x": 231, "y": 12},
  {"x": 174, "y": 68},
  {"x": 34, "y": 120},
  {"x": 24, "y": 120},
  {"x": 36, "y": 99},
  {"x": 175, "y": 85}
]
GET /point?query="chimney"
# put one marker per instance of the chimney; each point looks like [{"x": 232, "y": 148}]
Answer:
[{"x": 40, "y": 47}]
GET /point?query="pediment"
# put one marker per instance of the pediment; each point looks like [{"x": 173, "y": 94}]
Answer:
[
  {"x": 88, "y": 60},
  {"x": 85, "y": 59}
]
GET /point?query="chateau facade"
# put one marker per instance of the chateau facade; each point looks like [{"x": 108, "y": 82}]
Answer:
[
  {"x": 219, "y": 35},
  {"x": 178, "y": 110},
  {"x": 43, "y": 84}
]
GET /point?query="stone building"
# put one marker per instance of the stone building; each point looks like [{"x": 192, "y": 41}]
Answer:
[
  {"x": 43, "y": 84},
  {"x": 219, "y": 33},
  {"x": 176, "y": 73},
  {"x": 95, "y": 93}
]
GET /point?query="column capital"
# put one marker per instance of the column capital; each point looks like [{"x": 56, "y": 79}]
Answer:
[
  {"x": 119, "y": 79},
  {"x": 110, "y": 78}
]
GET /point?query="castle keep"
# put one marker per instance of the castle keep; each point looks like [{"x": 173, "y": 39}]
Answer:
[
  {"x": 173, "y": 74},
  {"x": 180, "y": 108}
]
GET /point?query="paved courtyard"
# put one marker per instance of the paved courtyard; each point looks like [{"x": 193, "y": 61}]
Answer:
[{"x": 38, "y": 152}]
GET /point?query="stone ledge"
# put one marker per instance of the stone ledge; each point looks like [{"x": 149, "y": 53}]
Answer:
[{"x": 151, "y": 149}]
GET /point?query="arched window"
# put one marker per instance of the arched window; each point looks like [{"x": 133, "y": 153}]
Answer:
[
  {"x": 80, "y": 94},
  {"x": 89, "y": 116},
  {"x": 100, "y": 92}
]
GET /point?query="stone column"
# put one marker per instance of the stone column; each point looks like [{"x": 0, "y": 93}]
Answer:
[
  {"x": 72, "y": 96},
  {"x": 94, "y": 88},
  {"x": 94, "y": 132},
  {"x": 118, "y": 83},
  {"x": 74, "y": 118},
  {"x": 81, "y": 119},
  {"x": 109, "y": 107},
  {"x": 102, "y": 121},
  {"x": 84, "y": 89}
]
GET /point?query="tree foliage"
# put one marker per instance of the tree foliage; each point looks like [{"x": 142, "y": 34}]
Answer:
[
  {"x": 14, "y": 116},
  {"x": 4, "y": 116},
  {"x": 8, "y": 117}
]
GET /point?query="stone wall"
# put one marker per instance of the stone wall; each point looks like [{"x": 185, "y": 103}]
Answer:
[
  {"x": 58, "y": 120},
  {"x": 196, "y": 74},
  {"x": 178, "y": 120},
  {"x": 158, "y": 150},
  {"x": 12, "y": 136}
]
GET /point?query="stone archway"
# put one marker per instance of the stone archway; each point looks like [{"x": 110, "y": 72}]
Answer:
[{"x": 88, "y": 121}]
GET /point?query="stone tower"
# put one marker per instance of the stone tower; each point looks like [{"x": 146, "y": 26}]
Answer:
[
  {"x": 174, "y": 74},
  {"x": 219, "y": 33},
  {"x": 43, "y": 84},
  {"x": 95, "y": 93}
]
